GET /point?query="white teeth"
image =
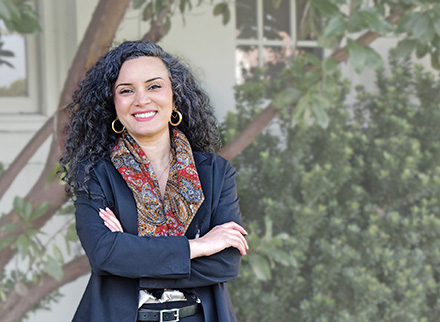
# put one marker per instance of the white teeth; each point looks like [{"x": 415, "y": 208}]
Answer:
[{"x": 144, "y": 115}]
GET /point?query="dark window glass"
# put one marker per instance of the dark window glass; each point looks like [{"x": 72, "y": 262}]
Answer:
[
  {"x": 246, "y": 19},
  {"x": 276, "y": 21}
]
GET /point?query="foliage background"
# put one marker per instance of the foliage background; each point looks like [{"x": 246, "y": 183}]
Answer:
[{"x": 345, "y": 219}]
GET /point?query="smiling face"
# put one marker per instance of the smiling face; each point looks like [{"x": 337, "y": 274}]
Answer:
[{"x": 143, "y": 98}]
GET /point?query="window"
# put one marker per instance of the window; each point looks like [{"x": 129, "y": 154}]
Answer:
[
  {"x": 18, "y": 92},
  {"x": 268, "y": 34}
]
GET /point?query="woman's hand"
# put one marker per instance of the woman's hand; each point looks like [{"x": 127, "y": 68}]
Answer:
[
  {"x": 219, "y": 238},
  {"x": 110, "y": 220}
]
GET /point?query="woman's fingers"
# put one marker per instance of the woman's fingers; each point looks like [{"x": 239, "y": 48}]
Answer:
[
  {"x": 110, "y": 220},
  {"x": 220, "y": 237}
]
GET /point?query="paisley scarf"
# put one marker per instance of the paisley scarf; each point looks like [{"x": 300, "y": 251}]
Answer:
[{"x": 172, "y": 215}]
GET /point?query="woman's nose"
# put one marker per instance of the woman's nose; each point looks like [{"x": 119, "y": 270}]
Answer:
[{"x": 142, "y": 98}]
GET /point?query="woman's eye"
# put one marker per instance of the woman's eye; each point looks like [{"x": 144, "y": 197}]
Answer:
[
  {"x": 125, "y": 91},
  {"x": 155, "y": 86}
]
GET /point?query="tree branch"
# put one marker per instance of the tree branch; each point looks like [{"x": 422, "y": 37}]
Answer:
[{"x": 156, "y": 32}]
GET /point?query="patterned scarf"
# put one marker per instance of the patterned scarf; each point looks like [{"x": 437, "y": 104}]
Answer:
[{"x": 183, "y": 193}]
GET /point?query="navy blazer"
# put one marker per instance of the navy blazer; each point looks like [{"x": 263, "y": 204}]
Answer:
[{"x": 124, "y": 263}]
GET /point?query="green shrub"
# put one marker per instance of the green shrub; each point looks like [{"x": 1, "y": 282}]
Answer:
[{"x": 345, "y": 221}]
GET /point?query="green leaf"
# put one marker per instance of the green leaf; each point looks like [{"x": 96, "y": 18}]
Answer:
[
  {"x": 326, "y": 7},
  {"x": 287, "y": 98},
  {"x": 330, "y": 65},
  {"x": 283, "y": 258},
  {"x": 335, "y": 27},
  {"x": 373, "y": 60},
  {"x": 436, "y": 25},
  {"x": 260, "y": 267},
  {"x": 68, "y": 209},
  {"x": 10, "y": 228},
  {"x": 407, "y": 22},
  {"x": 40, "y": 210},
  {"x": 23, "y": 208},
  {"x": 23, "y": 245},
  {"x": 321, "y": 115},
  {"x": 57, "y": 253},
  {"x": 160, "y": 5},
  {"x": 405, "y": 47},
  {"x": 54, "y": 268},
  {"x": 147, "y": 14},
  {"x": 369, "y": 18},
  {"x": 6, "y": 242},
  {"x": 71, "y": 234},
  {"x": 421, "y": 50},
  {"x": 26, "y": 23},
  {"x": 222, "y": 9},
  {"x": 138, "y": 3},
  {"x": 311, "y": 58},
  {"x": 5, "y": 53},
  {"x": 358, "y": 54},
  {"x": 423, "y": 29},
  {"x": 268, "y": 223},
  {"x": 183, "y": 4},
  {"x": 8, "y": 10},
  {"x": 299, "y": 110}
]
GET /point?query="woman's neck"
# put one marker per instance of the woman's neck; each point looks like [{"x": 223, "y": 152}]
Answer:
[
  {"x": 157, "y": 149},
  {"x": 158, "y": 152}
]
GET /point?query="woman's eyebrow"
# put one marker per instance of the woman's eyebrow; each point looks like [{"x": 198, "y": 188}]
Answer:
[{"x": 153, "y": 79}]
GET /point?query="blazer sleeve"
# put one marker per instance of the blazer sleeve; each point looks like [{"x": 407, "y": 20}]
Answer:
[
  {"x": 125, "y": 254},
  {"x": 222, "y": 266}
]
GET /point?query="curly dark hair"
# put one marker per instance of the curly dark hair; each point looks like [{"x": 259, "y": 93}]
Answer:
[{"x": 89, "y": 134}]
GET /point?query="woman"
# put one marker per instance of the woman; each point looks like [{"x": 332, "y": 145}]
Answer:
[{"x": 157, "y": 213}]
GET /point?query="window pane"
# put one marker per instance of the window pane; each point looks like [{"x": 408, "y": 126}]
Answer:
[
  {"x": 275, "y": 59},
  {"x": 246, "y": 19},
  {"x": 13, "y": 69},
  {"x": 246, "y": 58},
  {"x": 276, "y": 21}
]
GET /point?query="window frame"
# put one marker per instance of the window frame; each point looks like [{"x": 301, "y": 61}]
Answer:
[
  {"x": 29, "y": 104},
  {"x": 260, "y": 42}
]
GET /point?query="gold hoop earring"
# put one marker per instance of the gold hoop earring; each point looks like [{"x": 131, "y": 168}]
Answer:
[
  {"x": 174, "y": 116},
  {"x": 114, "y": 129}
]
